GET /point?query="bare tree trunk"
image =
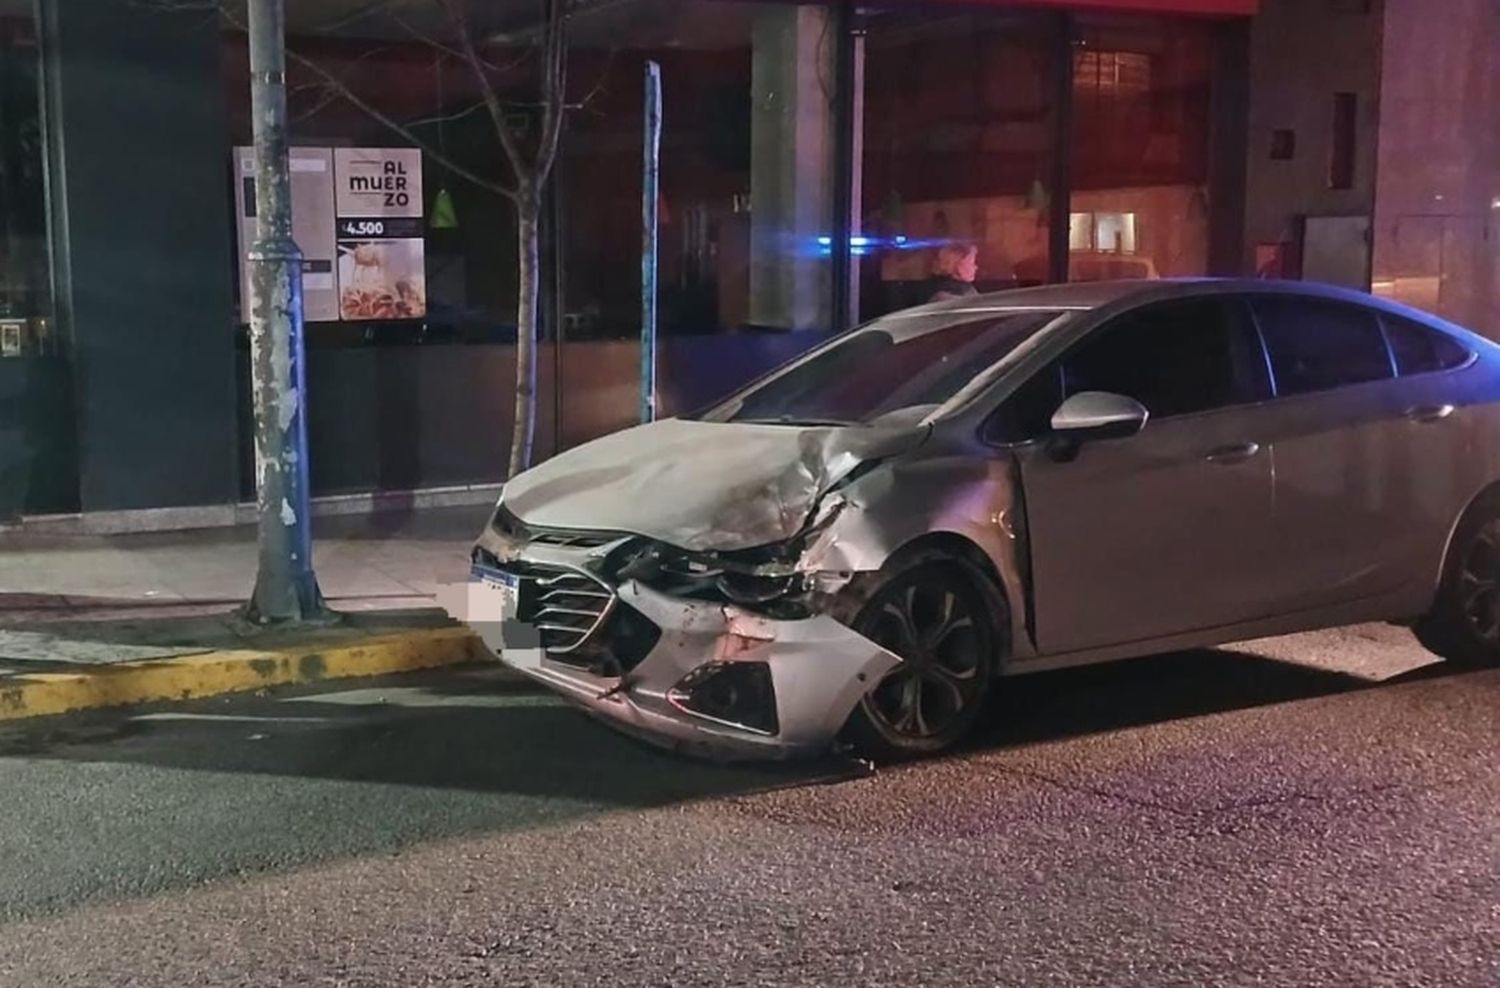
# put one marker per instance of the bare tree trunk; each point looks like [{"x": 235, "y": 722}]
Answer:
[
  {"x": 531, "y": 168},
  {"x": 528, "y": 297}
]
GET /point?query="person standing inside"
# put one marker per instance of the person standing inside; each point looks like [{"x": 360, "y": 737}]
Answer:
[{"x": 953, "y": 272}]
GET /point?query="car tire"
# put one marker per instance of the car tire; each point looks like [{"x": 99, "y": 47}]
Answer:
[
  {"x": 1463, "y": 625},
  {"x": 946, "y": 619}
]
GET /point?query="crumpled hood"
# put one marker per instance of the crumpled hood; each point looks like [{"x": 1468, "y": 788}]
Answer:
[{"x": 699, "y": 485}]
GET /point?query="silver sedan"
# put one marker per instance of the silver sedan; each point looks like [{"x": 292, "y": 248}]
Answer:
[{"x": 857, "y": 548}]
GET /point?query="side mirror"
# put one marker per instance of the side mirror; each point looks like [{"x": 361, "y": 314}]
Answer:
[{"x": 1094, "y": 415}]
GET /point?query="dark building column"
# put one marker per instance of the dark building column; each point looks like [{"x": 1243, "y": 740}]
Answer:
[
  {"x": 791, "y": 170},
  {"x": 138, "y": 155},
  {"x": 1229, "y": 150}
]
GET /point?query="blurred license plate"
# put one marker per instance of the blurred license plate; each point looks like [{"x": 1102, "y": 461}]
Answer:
[{"x": 501, "y": 586}]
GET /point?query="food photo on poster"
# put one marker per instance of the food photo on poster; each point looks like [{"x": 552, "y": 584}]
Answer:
[{"x": 382, "y": 279}]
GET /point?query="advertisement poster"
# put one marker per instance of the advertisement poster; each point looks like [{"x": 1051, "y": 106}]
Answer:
[
  {"x": 312, "y": 228},
  {"x": 381, "y": 266},
  {"x": 357, "y": 215}
]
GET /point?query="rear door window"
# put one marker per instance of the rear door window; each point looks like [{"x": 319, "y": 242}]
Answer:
[
  {"x": 1317, "y": 345},
  {"x": 1419, "y": 349}
]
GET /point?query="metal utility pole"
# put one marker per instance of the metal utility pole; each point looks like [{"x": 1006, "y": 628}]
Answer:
[
  {"x": 285, "y": 588},
  {"x": 650, "y": 210}
]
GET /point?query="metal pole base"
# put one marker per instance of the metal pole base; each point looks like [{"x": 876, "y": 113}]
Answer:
[{"x": 297, "y": 601}]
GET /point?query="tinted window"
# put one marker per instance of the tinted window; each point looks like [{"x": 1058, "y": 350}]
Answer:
[
  {"x": 892, "y": 365},
  {"x": 1175, "y": 358},
  {"x": 1027, "y": 413},
  {"x": 1316, "y": 345},
  {"x": 1420, "y": 350}
]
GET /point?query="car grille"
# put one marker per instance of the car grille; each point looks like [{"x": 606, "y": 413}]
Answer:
[
  {"x": 577, "y": 540},
  {"x": 566, "y": 606}
]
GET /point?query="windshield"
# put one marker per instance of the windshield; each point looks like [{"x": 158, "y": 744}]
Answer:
[{"x": 894, "y": 366}]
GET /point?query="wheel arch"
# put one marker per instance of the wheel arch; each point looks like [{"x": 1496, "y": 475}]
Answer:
[
  {"x": 1487, "y": 497},
  {"x": 952, "y": 546}
]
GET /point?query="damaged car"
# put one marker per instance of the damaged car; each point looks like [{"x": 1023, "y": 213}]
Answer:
[{"x": 856, "y": 548}]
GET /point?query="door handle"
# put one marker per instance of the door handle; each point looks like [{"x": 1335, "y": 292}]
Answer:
[
  {"x": 1230, "y": 455},
  {"x": 1429, "y": 413}
]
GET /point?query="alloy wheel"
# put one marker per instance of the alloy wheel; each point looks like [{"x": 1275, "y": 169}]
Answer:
[{"x": 937, "y": 635}]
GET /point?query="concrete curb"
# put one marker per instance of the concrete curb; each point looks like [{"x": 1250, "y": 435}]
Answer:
[{"x": 213, "y": 673}]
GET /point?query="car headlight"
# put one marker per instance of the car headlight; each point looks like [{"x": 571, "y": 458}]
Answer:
[
  {"x": 753, "y": 588},
  {"x": 754, "y": 577}
]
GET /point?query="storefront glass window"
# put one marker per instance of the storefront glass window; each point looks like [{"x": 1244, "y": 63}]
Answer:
[
  {"x": 25, "y": 292},
  {"x": 746, "y": 168},
  {"x": 746, "y": 163},
  {"x": 959, "y": 143},
  {"x": 1141, "y": 109},
  {"x": 37, "y": 467}
]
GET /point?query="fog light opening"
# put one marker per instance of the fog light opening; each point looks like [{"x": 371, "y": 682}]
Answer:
[{"x": 734, "y": 694}]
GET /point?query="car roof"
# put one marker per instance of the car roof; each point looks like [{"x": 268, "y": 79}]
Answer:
[
  {"x": 1085, "y": 295},
  {"x": 1073, "y": 295}
]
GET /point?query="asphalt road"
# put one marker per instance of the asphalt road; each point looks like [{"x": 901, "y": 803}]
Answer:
[{"x": 1211, "y": 819}]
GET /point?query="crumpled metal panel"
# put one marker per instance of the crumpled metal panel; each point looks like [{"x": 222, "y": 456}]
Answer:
[
  {"x": 649, "y": 480},
  {"x": 819, "y": 670}
]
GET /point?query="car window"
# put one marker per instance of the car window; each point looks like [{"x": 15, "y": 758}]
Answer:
[
  {"x": 1027, "y": 413},
  {"x": 1420, "y": 350},
  {"x": 1316, "y": 345},
  {"x": 1175, "y": 358},
  {"x": 893, "y": 366}
]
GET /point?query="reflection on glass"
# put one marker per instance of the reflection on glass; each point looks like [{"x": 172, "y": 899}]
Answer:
[
  {"x": 25, "y": 294},
  {"x": 1141, "y": 126},
  {"x": 746, "y": 167},
  {"x": 901, "y": 368},
  {"x": 959, "y": 135}
]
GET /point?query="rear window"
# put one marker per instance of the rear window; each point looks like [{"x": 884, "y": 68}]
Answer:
[
  {"x": 1316, "y": 345},
  {"x": 1419, "y": 349}
]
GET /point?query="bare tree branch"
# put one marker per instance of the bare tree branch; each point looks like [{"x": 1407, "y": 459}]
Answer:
[
  {"x": 442, "y": 118},
  {"x": 173, "y": 6},
  {"x": 361, "y": 13},
  {"x": 400, "y": 129},
  {"x": 554, "y": 91},
  {"x": 331, "y": 94},
  {"x": 337, "y": 84},
  {"x": 491, "y": 97},
  {"x": 458, "y": 54},
  {"x": 533, "y": 33},
  {"x": 600, "y": 85}
]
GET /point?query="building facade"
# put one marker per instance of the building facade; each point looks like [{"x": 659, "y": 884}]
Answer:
[{"x": 814, "y": 158}]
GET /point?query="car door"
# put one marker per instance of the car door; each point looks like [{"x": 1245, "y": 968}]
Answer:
[
  {"x": 1355, "y": 450},
  {"x": 1163, "y": 532}
]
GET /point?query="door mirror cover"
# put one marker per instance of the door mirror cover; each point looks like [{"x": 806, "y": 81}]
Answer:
[{"x": 1093, "y": 415}]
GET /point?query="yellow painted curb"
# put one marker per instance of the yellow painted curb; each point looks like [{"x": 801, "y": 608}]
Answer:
[{"x": 188, "y": 677}]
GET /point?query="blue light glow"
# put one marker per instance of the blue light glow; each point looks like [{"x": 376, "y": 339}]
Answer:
[{"x": 860, "y": 245}]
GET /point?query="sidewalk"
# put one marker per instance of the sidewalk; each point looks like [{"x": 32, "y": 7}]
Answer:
[{"x": 90, "y": 620}]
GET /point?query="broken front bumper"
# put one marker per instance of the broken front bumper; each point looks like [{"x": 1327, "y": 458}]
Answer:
[{"x": 710, "y": 678}]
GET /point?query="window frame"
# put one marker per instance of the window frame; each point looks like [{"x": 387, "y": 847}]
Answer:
[
  {"x": 1228, "y": 301},
  {"x": 1470, "y": 354},
  {"x": 1371, "y": 311},
  {"x": 1380, "y": 314}
]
